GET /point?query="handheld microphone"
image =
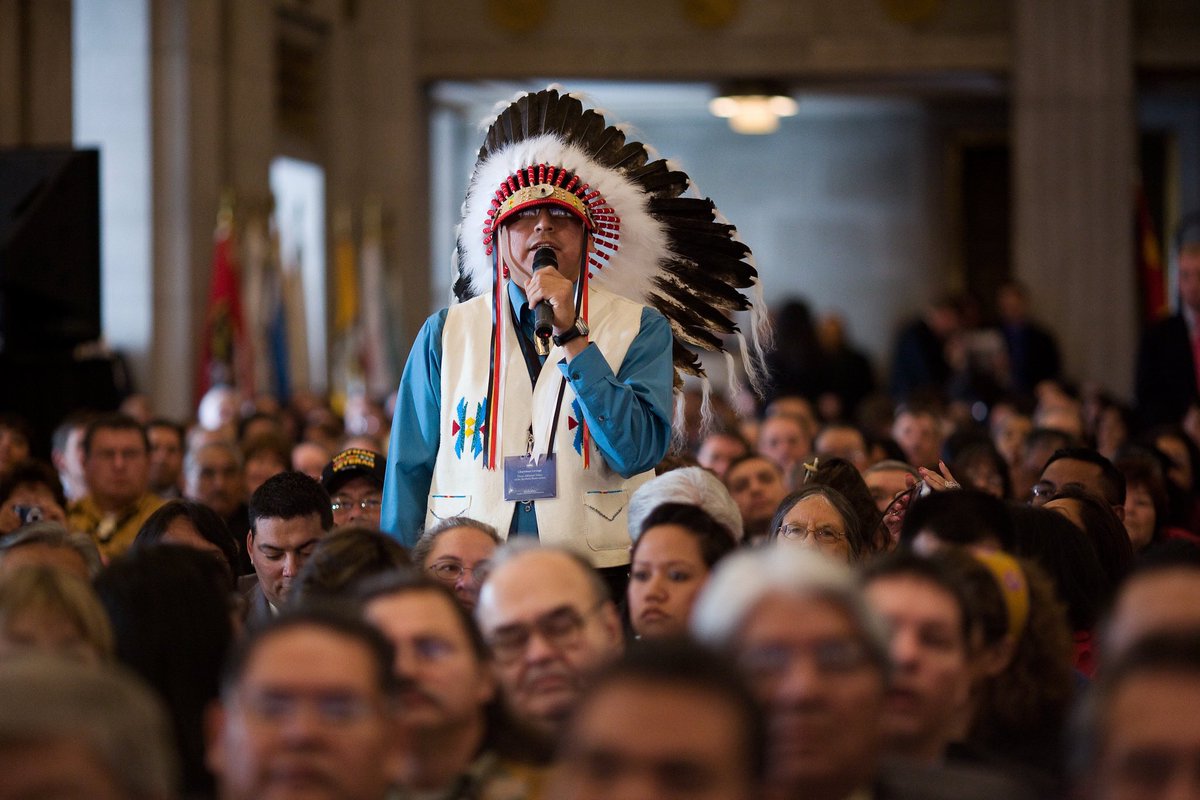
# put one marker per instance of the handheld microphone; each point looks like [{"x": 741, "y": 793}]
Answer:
[{"x": 543, "y": 312}]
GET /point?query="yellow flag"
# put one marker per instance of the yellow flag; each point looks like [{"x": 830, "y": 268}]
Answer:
[{"x": 345, "y": 275}]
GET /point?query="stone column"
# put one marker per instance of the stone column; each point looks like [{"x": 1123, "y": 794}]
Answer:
[
  {"x": 250, "y": 97},
  {"x": 343, "y": 119},
  {"x": 48, "y": 81},
  {"x": 1074, "y": 168},
  {"x": 394, "y": 154},
  {"x": 187, "y": 119},
  {"x": 35, "y": 73},
  {"x": 10, "y": 73}
]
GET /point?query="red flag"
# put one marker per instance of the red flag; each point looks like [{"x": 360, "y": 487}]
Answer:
[
  {"x": 225, "y": 357},
  {"x": 1152, "y": 277}
]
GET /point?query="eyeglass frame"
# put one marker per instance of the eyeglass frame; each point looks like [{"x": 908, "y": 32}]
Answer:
[
  {"x": 483, "y": 566},
  {"x": 1042, "y": 491},
  {"x": 336, "y": 708},
  {"x": 816, "y": 534},
  {"x": 857, "y": 655},
  {"x": 367, "y": 504},
  {"x": 510, "y": 652}
]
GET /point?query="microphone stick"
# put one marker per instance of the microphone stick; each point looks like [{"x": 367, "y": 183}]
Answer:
[{"x": 543, "y": 312}]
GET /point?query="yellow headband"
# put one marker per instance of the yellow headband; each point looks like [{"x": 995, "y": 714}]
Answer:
[{"x": 1013, "y": 587}]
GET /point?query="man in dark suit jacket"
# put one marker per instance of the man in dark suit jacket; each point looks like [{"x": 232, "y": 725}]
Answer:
[
  {"x": 1166, "y": 368},
  {"x": 256, "y": 609},
  {"x": 919, "y": 362},
  {"x": 1032, "y": 351}
]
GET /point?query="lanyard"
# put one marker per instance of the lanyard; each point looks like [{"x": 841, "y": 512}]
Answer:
[{"x": 534, "y": 364}]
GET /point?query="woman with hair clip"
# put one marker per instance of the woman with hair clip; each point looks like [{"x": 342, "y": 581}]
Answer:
[
  {"x": 840, "y": 474},
  {"x": 819, "y": 517}
]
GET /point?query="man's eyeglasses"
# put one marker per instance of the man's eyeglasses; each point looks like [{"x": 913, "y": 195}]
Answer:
[
  {"x": 822, "y": 535},
  {"x": 332, "y": 708},
  {"x": 370, "y": 505},
  {"x": 451, "y": 571},
  {"x": 830, "y": 657},
  {"x": 560, "y": 628},
  {"x": 1042, "y": 491}
]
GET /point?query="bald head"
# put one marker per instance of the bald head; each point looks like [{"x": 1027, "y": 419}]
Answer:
[
  {"x": 548, "y": 619},
  {"x": 1151, "y": 602}
]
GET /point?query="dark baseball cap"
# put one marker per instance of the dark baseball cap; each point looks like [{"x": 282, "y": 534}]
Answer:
[{"x": 357, "y": 462}]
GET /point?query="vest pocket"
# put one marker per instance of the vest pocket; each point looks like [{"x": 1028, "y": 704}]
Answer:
[
  {"x": 605, "y": 519},
  {"x": 445, "y": 506}
]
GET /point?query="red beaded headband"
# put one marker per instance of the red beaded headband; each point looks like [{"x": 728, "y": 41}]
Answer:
[{"x": 545, "y": 184}]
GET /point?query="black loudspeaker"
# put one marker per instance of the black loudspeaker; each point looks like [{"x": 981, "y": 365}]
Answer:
[
  {"x": 45, "y": 387},
  {"x": 49, "y": 249}
]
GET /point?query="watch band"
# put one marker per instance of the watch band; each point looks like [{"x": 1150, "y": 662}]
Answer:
[{"x": 580, "y": 328}]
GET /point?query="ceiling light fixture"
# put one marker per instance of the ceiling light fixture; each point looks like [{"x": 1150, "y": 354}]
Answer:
[{"x": 753, "y": 107}]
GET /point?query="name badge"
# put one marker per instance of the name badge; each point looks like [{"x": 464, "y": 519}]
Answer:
[{"x": 530, "y": 478}]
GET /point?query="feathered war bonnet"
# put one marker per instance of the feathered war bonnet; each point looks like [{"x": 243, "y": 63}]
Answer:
[{"x": 651, "y": 244}]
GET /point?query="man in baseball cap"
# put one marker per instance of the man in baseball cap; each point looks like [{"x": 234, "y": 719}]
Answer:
[{"x": 354, "y": 480}]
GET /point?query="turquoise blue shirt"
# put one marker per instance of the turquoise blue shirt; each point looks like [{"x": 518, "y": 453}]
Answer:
[{"x": 628, "y": 414}]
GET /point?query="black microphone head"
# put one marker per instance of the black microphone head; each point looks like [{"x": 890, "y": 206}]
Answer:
[{"x": 544, "y": 257}]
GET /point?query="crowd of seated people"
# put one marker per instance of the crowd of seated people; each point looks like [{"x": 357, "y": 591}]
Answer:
[{"x": 984, "y": 585}]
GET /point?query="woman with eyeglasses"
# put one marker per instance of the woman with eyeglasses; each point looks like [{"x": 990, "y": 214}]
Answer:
[
  {"x": 676, "y": 549},
  {"x": 458, "y": 553},
  {"x": 820, "y": 518}
]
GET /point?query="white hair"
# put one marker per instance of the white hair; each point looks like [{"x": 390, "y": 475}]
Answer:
[
  {"x": 694, "y": 486},
  {"x": 53, "y": 534},
  {"x": 191, "y": 460},
  {"x": 743, "y": 579}
]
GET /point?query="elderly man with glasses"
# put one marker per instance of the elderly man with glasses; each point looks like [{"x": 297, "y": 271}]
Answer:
[
  {"x": 551, "y": 624},
  {"x": 816, "y": 655}
]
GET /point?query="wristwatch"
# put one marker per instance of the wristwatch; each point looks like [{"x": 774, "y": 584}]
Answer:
[{"x": 571, "y": 334}]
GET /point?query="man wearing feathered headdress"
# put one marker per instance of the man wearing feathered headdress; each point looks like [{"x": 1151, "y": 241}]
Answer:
[{"x": 545, "y": 428}]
